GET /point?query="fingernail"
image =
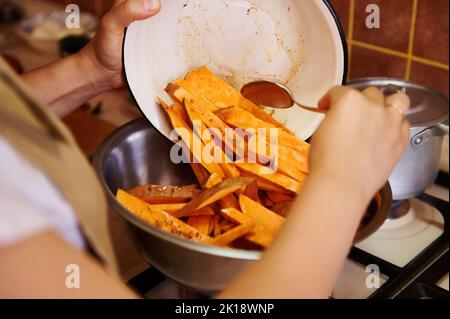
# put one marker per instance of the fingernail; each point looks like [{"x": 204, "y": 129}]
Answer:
[{"x": 151, "y": 5}]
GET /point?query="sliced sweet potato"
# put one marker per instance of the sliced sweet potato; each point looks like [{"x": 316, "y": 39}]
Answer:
[
  {"x": 156, "y": 194},
  {"x": 232, "y": 141},
  {"x": 238, "y": 117},
  {"x": 193, "y": 143},
  {"x": 159, "y": 219},
  {"x": 282, "y": 208},
  {"x": 231, "y": 235},
  {"x": 226, "y": 225},
  {"x": 266, "y": 185},
  {"x": 279, "y": 197},
  {"x": 216, "y": 229},
  {"x": 204, "y": 224},
  {"x": 168, "y": 208},
  {"x": 245, "y": 225},
  {"x": 212, "y": 181},
  {"x": 207, "y": 138},
  {"x": 275, "y": 177},
  {"x": 267, "y": 223},
  {"x": 180, "y": 90},
  {"x": 236, "y": 216},
  {"x": 223, "y": 95},
  {"x": 200, "y": 172},
  {"x": 214, "y": 194},
  {"x": 251, "y": 190},
  {"x": 226, "y": 202}
]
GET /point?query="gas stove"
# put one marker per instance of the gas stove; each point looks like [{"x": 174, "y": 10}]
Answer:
[{"x": 408, "y": 258}]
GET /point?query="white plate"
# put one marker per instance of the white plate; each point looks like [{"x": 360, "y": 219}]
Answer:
[{"x": 297, "y": 42}]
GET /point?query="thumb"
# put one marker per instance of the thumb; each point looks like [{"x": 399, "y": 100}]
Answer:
[{"x": 128, "y": 11}]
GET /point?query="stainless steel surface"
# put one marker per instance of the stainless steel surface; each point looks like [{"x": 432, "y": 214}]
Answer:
[
  {"x": 400, "y": 209},
  {"x": 137, "y": 154},
  {"x": 275, "y": 95},
  {"x": 419, "y": 166},
  {"x": 434, "y": 131}
]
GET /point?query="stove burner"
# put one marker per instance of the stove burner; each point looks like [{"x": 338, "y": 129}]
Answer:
[
  {"x": 400, "y": 215},
  {"x": 400, "y": 209}
]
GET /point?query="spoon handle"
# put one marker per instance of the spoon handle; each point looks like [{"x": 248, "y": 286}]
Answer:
[{"x": 313, "y": 109}]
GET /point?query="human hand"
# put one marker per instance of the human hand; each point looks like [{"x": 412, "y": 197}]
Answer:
[
  {"x": 361, "y": 140},
  {"x": 103, "y": 54}
]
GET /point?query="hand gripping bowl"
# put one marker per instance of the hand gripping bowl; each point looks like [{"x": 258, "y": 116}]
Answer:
[{"x": 137, "y": 154}]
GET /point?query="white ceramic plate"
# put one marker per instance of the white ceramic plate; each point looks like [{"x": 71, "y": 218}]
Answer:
[{"x": 296, "y": 42}]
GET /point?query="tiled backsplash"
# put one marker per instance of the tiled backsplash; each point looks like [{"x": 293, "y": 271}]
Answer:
[{"x": 411, "y": 43}]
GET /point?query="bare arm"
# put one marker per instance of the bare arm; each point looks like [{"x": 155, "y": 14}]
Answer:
[
  {"x": 352, "y": 156},
  {"x": 72, "y": 81},
  {"x": 67, "y": 84},
  {"x": 36, "y": 268}
]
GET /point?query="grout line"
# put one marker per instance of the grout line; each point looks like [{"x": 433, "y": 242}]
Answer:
[
  {"x": 400, "y": 54},
  {"x": 412, "y": 33},
  {"x": 351, "y": 26},
  {"x": 436, "y": 64},
  {"x": 380, "y": 49}
]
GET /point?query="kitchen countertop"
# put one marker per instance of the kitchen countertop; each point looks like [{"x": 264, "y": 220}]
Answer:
[{"x": 118, "y": 107}]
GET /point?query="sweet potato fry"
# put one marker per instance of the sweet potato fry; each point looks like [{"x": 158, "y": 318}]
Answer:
[
  {"x": 236, "y": 216},
  {"x": 179, "y": 109},
  {"x": 200, "y": 172},
  {"x": 216, "y": 228},
  {"x": 245, "y": 225},
  {"x": 232, "y": 141},
  {"x": 168, "y": 208},
  {"x": 251, "y": 190},
  {"x": 202, "y": 132},
  {"x": 238, "y": 117},
  {"x": 226, "y": 202},
  {"x": 275, "y": 177},
  {"x": 223, "y": 95},
  {"x": 155, "y": 194},
  {"x": 180, "y": 90},
  {"x": 159, "y": 219},
  {"x": 204, "y": 224},
  {"x": 279, "y": 197},
  {"x": 266, "y": 185},
  {"x": 226, "y": 225},
  {"x": 212, "y": 181},
  {"x": 231, "y": 235},
  {"x": 282, "y": 208},
  {"x": 190, "y": 139},
  {"x": 267, "y": 223},
  {"x": 214, "y": 194}
]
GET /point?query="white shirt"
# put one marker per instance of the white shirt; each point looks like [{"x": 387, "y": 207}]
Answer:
[{"x": 30, "y": 203}]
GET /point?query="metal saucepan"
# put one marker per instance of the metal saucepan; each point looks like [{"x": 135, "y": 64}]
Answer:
[
  {"x": 137, "y": 154},
  {"x": 419, "y": 166}
]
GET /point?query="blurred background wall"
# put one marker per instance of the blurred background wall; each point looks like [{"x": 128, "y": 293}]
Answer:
[{"x": 411, "y": 43}]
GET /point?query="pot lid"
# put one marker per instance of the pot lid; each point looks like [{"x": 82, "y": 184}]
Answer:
[{"x": 428, "y": 107}]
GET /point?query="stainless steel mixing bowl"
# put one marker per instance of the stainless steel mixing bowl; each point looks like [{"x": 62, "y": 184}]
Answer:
[{"x": 137, "y": 154}]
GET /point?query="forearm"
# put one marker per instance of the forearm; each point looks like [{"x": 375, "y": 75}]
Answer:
[
  {"x": 68, "y": 83},
  {"x": 36, "y": 268},
  {"x": 307, "y": 256}
]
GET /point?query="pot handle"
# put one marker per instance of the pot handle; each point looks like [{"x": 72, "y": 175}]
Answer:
[{"x": 437, "y": 130}]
